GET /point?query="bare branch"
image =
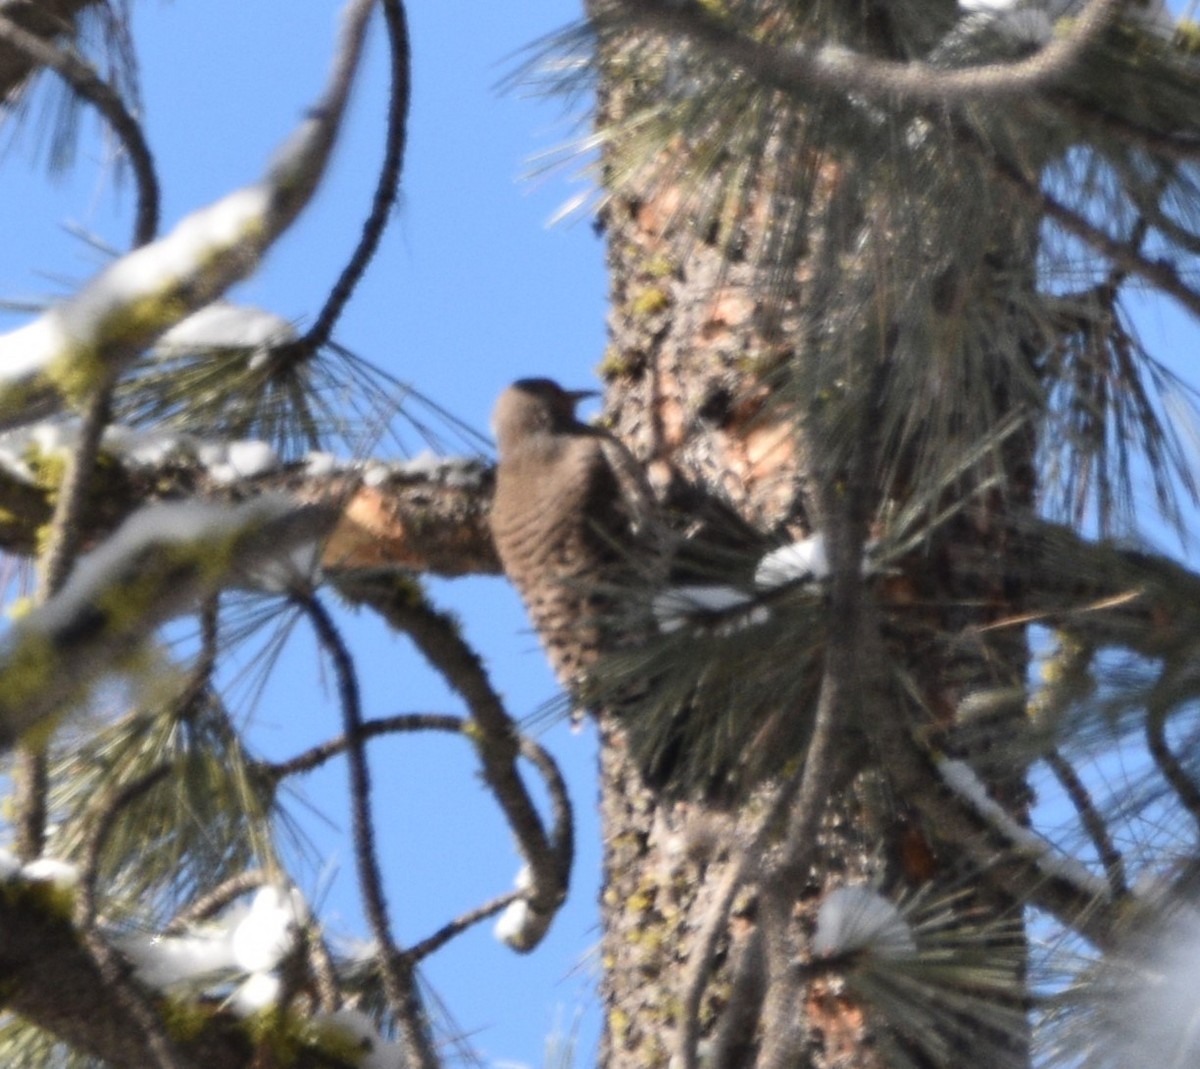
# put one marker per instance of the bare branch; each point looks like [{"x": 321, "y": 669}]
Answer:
[
  {"x": 399, "y": 980},
  {"x": 386, "y": 188},
  {"x": 317, "y": 756},
  {"x": 1185, "y": 788},
  {"x": 493, "y": 732},
  {"x": 443, "y": 935},
  {"x": 84, "y": 80},
  {"x": 800, "y": 70},
  {"x": 1093, "y": 822}
]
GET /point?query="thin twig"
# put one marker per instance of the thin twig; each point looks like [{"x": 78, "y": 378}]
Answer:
[
  {"x": 387, "y": 187},
  {"x": 31, "y": 775},
  {"x": 83, "y": 79},
  {"x": 399, "y": 981},
  {"x": 1173, "y": 772},
  {"x": 1159, "y": 273},
  {"x": 315, "y": 757},
  {"x": 1093, "y": 822},
  {"x": 448, "y": 931},
  {"x": 537, "y": 755}
]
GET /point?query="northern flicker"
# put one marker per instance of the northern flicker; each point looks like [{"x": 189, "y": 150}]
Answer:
[{"x": 570, "y": 518}]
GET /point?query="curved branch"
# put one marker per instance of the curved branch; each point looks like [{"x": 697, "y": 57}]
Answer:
[
  {"x": 386, "y": 189},
  {"x": 84, "y": 80},
  {"x": 1093, "y": 822},
  {"x": 800, "y": 70},
  {"x": 214, "y": 901},
  {"x": 1172, "y": 770},
  {"x": 561, "y": 835},
  {"x": 493, "y": 731},
  {"x": 317, "y": 756}
]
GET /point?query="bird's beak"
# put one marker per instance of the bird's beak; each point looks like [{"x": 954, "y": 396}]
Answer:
[{"x": 581, "y": 395}]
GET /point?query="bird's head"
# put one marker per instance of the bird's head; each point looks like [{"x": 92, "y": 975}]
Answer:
[{"x": 535, "y": 406}]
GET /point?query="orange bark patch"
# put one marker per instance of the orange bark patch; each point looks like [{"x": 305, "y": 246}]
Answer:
[
  {"x": 367, "y": 535},
  {"x": 656, "y": 214},
  {"x": 730, "y": 309}
]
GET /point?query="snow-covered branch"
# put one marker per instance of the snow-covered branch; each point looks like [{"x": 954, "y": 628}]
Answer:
[
  {"x": 160, "y": 563},
  {"x": 84, "y": 341}
]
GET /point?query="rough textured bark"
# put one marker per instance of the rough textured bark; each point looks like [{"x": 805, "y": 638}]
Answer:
[{"x": 691, "y": 332}]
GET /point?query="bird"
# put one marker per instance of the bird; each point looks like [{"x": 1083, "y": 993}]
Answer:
[{"x": 572, "y": 519}]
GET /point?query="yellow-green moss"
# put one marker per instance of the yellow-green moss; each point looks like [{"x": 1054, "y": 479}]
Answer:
[
  {"x": 1187, "y": 37},
  {"x": 185, "y": 1020},
  {"x": 28, "y": 668},
  {"x": 618, "y": 1024},
  {"x": 660, "y": 266},
  {"x": 77, "y": 372},
  {"x": 651, "y": 300},
  {"x": 614, "y": 364}
]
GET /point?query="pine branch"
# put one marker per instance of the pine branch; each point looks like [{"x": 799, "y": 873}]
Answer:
[
  {"x": 799, "y": 70},
  {"x": 89, "y": 338},
  {"x": 498, "y": 743},
  {"x": 397, "y": 970},
  {"x": 46, "y": 19},
  {"x": 388, "y": 185},
  {"x": 84, "y": 80}
]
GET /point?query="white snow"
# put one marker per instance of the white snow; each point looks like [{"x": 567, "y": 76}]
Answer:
[
  {"x": 10, "y": 865},
  {"x": 249, "y": 940},
  {"x": 163, "y": 962},
  {"x": 60, "y": 874},
  {"x": 520, "y": 926},
  {"x": 319, "y": 464},
  {"x": 231, "y": 462},
  {"x": 144, "y": 274},
  {"x": 250, "y": 458},
  {"x": 267, "y": 932},
  {"x": 962, "y": 780},
  {"x": 376, "y": 475},
  {"x": 513, "y": 923},
  {"x": 355, "y": 1027},
  {"x": 805, "y": 559},
  {"x": 258, "y": 992},
  {"x": 1150, "y": 1005},
  {"x": 223, "y": 325},
  {"x": 854, "y": 918},
  {"x": 677, "y": 606},
  {"x": 144, "y": 447},
  {"x": 425, "y": 462}
]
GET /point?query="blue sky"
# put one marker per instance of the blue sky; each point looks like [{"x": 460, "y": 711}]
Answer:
[{"x": 471, "y": 290}]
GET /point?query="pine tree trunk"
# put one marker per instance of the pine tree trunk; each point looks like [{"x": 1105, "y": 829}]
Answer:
[{"x": 690, "y": 333}]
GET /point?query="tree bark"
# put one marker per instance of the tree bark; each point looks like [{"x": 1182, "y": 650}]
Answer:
[{"x": 691, "y": 332}]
